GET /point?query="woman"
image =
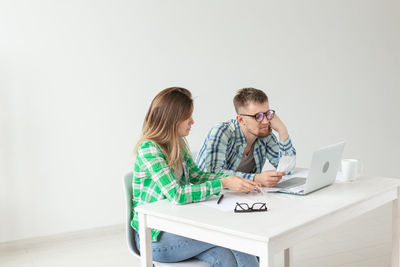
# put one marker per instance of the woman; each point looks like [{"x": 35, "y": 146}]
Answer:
[{"x": 164, "y": 168}]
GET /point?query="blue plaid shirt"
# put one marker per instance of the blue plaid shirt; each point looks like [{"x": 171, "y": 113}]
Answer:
[{"x": 224, "y": 146}]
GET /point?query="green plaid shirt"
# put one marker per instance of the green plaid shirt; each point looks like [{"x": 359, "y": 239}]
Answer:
[{"x": 154, "y": 179}]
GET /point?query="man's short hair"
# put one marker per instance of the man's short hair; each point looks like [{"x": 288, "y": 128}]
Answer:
[{"x": 246, "y": 95}]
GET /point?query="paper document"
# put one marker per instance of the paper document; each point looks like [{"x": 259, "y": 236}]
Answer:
[
  {"x": 301, "y": 174},
  {"x": 269, "y": 189},
  {"x": 286, "y": 164},
  {"x": 228, "y": 203}
]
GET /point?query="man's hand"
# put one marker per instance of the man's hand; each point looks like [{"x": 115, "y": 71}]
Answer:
[
  {"x": 268, "y": 178},
  {"x": 236, "y": 183},
  {"x": 280, "y": 127}
]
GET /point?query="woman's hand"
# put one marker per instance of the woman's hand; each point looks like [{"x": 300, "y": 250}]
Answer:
[{"x": 236, "y": 183}]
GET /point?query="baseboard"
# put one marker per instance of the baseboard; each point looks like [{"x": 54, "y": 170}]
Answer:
[{"x": 86, "y": 233}]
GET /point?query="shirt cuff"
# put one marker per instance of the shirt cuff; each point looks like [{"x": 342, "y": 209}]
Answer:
[
  {"x": 249, "y": 176},
  {"x": 216, "y": 187},
  {"x": 285, "y": 145}
]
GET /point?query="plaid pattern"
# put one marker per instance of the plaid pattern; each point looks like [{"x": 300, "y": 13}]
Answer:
[
  {"x": 154, "y": 179},
  {"x": 224, "y": 146}
]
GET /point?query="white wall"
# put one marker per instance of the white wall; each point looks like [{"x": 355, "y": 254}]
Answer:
[{"x": 76, "y": 78}]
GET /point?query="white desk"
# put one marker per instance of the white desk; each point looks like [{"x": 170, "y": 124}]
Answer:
[{"x": 289, "y": 219}]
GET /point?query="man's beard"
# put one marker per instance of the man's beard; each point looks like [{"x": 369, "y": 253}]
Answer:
[{"x": 262, "y": 135}]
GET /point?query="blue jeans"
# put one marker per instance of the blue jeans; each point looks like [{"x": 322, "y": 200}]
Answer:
[{"x": 174, "y": 248}]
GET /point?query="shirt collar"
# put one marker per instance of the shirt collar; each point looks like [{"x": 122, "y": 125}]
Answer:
[{"x": 239, "y": 136}]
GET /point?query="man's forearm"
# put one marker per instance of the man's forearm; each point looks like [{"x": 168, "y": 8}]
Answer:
[
  {"x": 237, "y": 173},
  {"x": 283, "y": 134}
]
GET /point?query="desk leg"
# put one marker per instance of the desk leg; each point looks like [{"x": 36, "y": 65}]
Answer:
[
  {"x": 267, "y": 259},
  {"x": 146, "y": 259},
  {"x": 288, "y": 257},
  {"x": 396, "y": 231},
  {"x": 266, "y": 262}
]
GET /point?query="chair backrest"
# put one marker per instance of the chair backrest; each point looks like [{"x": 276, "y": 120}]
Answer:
[
  {"x": 194, "y": 154},
  {"x": 130, "y": 232}
]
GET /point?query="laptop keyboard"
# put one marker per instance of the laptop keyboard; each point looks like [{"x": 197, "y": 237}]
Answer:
[{"x": 293, "y": 182}]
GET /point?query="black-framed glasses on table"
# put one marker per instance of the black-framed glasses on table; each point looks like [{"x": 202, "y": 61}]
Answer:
[
  {"x": 269, "y": 114},
  {"x": 255, "y": 207}
]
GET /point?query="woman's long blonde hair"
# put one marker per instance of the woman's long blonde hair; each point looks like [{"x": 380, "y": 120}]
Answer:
[{"x": 170, "y": 107}]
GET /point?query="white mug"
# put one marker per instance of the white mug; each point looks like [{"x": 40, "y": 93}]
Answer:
[{"x": 350, "y": 169}]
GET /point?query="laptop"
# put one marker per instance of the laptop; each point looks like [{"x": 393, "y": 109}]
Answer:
[{"x": 323, "y": 170}]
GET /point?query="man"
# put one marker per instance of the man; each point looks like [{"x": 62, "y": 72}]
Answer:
[{"x": 240, "y": 147}]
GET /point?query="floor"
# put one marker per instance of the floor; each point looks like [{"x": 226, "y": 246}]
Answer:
[{"x": 363, "y": 242}]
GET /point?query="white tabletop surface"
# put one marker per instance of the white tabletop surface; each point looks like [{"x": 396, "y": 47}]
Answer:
[{"x": 285, "y": 212}]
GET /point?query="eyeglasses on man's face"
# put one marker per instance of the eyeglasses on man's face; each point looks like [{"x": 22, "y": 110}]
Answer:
[
  {"x": 256, "y": 207},
  {"x": 261, "y": 115}
]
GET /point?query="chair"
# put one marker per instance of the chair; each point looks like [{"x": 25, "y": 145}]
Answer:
[{"x": 130, "y": 232}]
